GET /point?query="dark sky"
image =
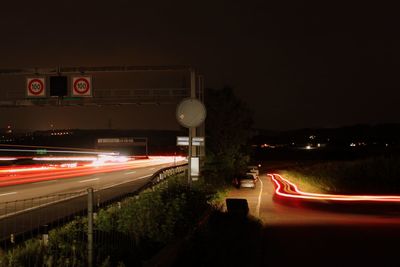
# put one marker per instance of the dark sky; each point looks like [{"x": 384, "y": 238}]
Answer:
[{"x": 296, "y": 64}]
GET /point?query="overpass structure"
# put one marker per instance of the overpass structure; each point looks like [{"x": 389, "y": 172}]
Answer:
[
  {"x": 127, "y": 87},
  {"x": 127, "y": 143},
  {"x": 112, "y": 85}
]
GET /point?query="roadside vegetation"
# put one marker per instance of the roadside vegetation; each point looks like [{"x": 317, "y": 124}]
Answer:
[
  {"x": 379, "y": 175},
  {"x": 126, "y": 233},
  {"x": 228, "y": 131}
]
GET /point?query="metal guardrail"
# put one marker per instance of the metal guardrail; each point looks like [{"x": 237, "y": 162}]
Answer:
[{"x": 24, "y": 219}]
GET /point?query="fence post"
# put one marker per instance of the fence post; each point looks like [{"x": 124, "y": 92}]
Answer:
[
  {"x": 45, "y": 234},
  {"x": 90, "y": 227}
]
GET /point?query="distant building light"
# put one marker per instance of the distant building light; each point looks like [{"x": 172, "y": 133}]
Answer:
[
  {"x": 308, "y": 147},
  {"x": 267, "y": 146},
  {"x": 318, "y": 145},
  {"x": 352, "y": 144}
]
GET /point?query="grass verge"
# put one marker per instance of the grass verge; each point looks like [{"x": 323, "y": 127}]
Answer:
[{"x": 368, "y": 176}]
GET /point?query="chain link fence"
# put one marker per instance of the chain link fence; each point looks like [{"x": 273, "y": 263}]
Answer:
[{"x": 64, "y": 223}]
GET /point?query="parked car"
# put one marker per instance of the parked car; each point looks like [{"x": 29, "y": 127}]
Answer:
[
  {"x": 255, "y": 175},
  {"x": 253, "y": 169},
  {"x": 247, "y": 180}
]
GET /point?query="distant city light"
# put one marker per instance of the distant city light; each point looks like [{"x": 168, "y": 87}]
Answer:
[
  {"x": 358, "y": 144},
  {"x": 61, "y": 133},
  {"x": 267, "y": 146}
]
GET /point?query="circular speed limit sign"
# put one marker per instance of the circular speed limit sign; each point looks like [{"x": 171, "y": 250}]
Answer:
[
  {"x": 81, "y": 86},
  {"x": 35, "y": 87}
]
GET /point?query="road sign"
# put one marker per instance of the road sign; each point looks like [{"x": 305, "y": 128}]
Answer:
[
  {"x": 41, "y": 151},
  {"x": 82, "y": 86},
  {"x": 35, "y": 87},
  {"x": 191, "y": 113},
  {"x": 198, "y": 141},
  {"x": 184, "y": 141},
  {"x": 194, "y": 166}
]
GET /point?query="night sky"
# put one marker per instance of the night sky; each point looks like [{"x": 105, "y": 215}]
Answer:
[{"x": 320, "y": 64}]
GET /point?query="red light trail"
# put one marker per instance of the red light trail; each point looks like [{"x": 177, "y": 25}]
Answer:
[
  {"x": 43, "y": 172},
  {"x": 287, "y": 189}
]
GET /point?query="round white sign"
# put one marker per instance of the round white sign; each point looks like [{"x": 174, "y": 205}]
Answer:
[{"x": 191, "y": 113}]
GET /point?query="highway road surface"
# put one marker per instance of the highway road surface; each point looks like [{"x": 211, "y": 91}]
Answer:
[
  {"x": 26, "y": 182},
  {"x": 65, "y": 189},
  {"x": 301, "y": 232}
]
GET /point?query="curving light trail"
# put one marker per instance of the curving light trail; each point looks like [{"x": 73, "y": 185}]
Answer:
[{"x": 287, "y": 189}]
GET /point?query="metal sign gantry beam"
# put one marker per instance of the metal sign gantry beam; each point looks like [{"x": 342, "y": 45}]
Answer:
[
  {"x": 14, "y": 97},
  {"x": 108, "y": 69}
]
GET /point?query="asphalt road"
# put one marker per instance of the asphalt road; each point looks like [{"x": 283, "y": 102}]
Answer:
[
  {"x": 321, "y": 234},
  {"x": 98, "y": 180},
  {"x": 62, "y": 199}
]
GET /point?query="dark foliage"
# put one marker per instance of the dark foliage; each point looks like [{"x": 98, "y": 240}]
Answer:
[{"x": 228, "y": 130}]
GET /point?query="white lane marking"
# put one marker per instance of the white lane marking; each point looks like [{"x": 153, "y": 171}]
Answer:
[
  {"x": 7, "y": 194},
  {"x": 89, "y": 180},
  {"x": 124, "y": 182},
  {"x": 130, "y": 172},
  {"x": 142, "y": 177},
  {"x": 259, "y": 200}
]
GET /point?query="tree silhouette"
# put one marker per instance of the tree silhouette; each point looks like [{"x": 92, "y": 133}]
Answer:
[{"x": 228, "y": 130}]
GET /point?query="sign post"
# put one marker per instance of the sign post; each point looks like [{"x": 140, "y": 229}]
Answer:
[
  {"x": 197, "y": 141},
  {"x": 190, "y": 113}
]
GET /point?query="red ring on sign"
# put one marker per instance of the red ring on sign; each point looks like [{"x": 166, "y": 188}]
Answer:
[
  {"x": 31, "y": 89},
  {"x": 79, "y": 91}
]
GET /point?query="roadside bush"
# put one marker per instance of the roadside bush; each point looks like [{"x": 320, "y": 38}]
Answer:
[
  {"x": 162, "y": 214},
  {"x": 127, "y": 233},
  {"x": 67, "y": 244},
  {"x": 31, "y": 253}
]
